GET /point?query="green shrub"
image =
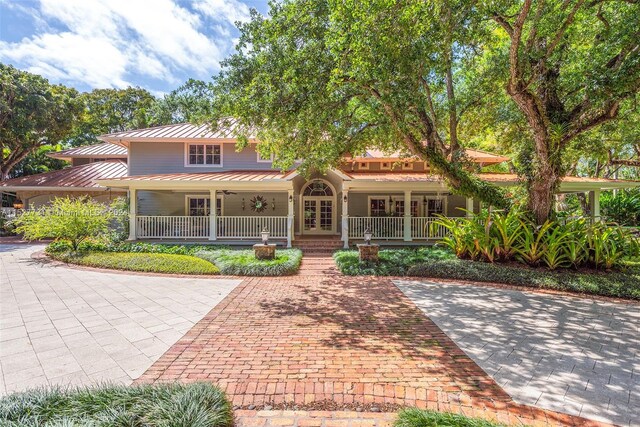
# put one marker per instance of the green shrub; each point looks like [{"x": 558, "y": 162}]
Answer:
[
  {"x": 73, "y": 220},
  {"x": 502, "y": 237},
  {"x": 105, "y": 244},
  {"x": 145, "y": 262},
  {"x": 242, "y": 262},
  {"x": 622, "y": 208},
  {"x": 623, "y": 284},
  {"x": 197, "y": 404},
  {"x": 393, "y": 262},
  {"x": 426, "y": 418}
]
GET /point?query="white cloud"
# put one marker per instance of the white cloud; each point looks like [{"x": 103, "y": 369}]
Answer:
[{"x": 106, "y": 43}]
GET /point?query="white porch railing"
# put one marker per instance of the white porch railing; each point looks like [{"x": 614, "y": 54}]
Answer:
[
  {"x": 383, "y": 227},
  {"x": 249, "y": 227},
  {"x": 421, "y": 228},
  {"x": 165, "y": 227}
]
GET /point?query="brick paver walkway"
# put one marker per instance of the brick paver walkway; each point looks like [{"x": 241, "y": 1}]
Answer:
[{"x": 351, "y": 341}]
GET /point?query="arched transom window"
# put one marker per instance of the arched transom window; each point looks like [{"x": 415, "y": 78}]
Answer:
[{"x": 317, "y": 188}]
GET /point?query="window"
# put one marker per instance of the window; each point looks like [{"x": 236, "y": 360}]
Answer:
[
  {"x": 407, "y": 166},
  {"x": 199, "y": 206},
  {"x": 378, "y": 206},
  {"x": 363, "y": 165},
  {"x": 98, "y": 160},
  {"x": 434, "y": 207},
  {"x": 264, "y": 159},
  {"x": 399, "y": 207},
  {"x": 204, "y": 155},
  {"x": 385, "y": 166},
  {"x": 317, "y": 188}
]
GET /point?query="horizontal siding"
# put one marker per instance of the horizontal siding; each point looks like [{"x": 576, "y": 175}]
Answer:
[{"x": 168, "y": 157}]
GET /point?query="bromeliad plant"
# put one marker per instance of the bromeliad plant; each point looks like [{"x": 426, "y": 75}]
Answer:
[{"x": 512, "y": 236}]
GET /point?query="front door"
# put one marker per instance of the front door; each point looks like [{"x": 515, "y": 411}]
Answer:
[{"x": 318, "y": 208}]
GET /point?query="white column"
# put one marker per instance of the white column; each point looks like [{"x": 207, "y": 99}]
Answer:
[
  {"x": 469, "y": 206},
  {"x": 213, "y": 213},
  {"x": 133, "y": 199},
  {"x": 594, "y": 204},
  {"x": 290, "y": 230},
  {"x": 407, "y": 216},
  {"x": 345, "y": 218}
]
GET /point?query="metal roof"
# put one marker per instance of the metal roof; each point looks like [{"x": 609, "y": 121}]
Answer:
[
  {"x": 83, "y": 176},
  {"x": 237, "y": 175},
  {"x": 178, "y": 132},
  {"x": 475, "y": 155},
  {"x": 101, "y": 150}
]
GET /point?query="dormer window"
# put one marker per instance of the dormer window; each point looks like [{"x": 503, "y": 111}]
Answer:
[{"x": 204, "y": 155}]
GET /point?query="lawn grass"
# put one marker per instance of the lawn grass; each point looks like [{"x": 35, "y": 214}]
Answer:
[
  {"x": 621, "y": 284},
  {"x": 196, "y": 405},
  {"x": 425, "y": 418},
  {"x": 143, "y": 262},
  {"x": 393, "y": 262},
  {"x": 242, "y": 262}
]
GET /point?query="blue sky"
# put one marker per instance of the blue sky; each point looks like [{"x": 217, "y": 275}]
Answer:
[{"x": 154, "y": 44}]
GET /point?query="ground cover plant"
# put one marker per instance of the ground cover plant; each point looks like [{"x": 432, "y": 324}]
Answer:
[
  {"x": 105, "y": 244},
  {"x": 195, "y": 405},
  {"x": 242, "y": 262},
  {"x": 426, "y": 418},
  {"x": 144, "y": 262},
  {"x": 393, "y": 262}
]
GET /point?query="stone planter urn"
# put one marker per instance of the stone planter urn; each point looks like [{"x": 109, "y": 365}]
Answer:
[
  {"x": 264, "y": 250},
  {"x": 368, "y": 252}
]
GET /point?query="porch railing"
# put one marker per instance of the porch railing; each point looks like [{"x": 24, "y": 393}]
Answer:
[
  {"x": 165, "y": 227},
  {"x": 250, "y": 227},
  {"x": 383, "y": 227},
  {"x": 421, "y": 228}
]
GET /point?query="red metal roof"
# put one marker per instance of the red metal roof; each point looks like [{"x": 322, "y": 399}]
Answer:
[
  {"x": 179, "y": 131},
  {"x": 102, "y": 150},
  {"x": 237, "y": 175},
  {"x": 83, "y": 176},
  {"x": 475, "y": 155}
]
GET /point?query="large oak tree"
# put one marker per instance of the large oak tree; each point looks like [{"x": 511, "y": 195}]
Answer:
[
  {"x": 320, "y": 78},
  {"x": 571, "y": 64}
]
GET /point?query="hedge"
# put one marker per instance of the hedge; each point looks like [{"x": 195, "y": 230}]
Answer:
[{"x": 242, "y": 262}]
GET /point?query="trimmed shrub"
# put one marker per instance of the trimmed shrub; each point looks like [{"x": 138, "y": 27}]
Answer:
[
  {"x": 426, "y": 418},
  {"x": 624, "y": 284},
  {"x": 197, "y": 404},
  {"x": 242, "y": 262},
  {"x": 144, "y": 262},
  {"x": 393, "y": 262},
  {"x": 106, "y": 245}
]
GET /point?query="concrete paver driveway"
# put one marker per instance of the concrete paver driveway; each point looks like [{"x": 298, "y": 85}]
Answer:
[
  {"x": 67, "y": 326},
  {"x": 567, "y": 354}
]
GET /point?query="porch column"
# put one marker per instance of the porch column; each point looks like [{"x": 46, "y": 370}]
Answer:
[
  {"x": 407, "y": 216},
  {"x": 133, "y": 198},
  {"x": 345, "y": 219},
  {"x": 469, "y": 206},
  {"x": 213, "y": 213},
  {"x": 289, "y": 217},
  {"x": 594, "y": 204}
]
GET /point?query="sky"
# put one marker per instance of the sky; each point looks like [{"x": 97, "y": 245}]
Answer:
[{"x": 154, "y": 44}]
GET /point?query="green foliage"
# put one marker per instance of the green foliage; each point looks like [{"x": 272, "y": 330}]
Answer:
[
  {"x": 393, "y": 262},
  {"x": 512, "y": 236},
  {"x": 318, "y": 79},
  {"x": 623, "y": 208},
  {"x": 425, "y": 418},
  {"x": 623, "y": 284},
  {"x": 190, "y": 103},
  {"x": 158, "y": 405},
  {"x": 242, "y": 262},
  {"x": 73, "y": 220},
  {"x": 145, "y": 262},
  {"x": 105, "y": 244},
  {"x": 33, "y": 113}
]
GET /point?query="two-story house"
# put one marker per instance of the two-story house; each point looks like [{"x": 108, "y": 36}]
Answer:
[{"x": 173, "y": 173}]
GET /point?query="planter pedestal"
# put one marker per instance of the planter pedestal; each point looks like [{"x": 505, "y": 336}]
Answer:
[
  {"x": 368, "y": 252},
  {"x": 263, "y": 251}
]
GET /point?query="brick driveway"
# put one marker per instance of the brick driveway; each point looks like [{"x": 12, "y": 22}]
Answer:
[
  {"x": 352, "y": 341},
  {"x": 68, "y": 326},
  {"x": 563, "y": 353}
]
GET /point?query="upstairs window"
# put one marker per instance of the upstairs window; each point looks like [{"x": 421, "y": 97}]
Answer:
[
  {"x": 264, "y": 159},
  {"x": 204, "y": 155}
]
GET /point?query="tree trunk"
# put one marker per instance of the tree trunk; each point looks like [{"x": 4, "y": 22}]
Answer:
[{"x": 541, "y": 197}]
